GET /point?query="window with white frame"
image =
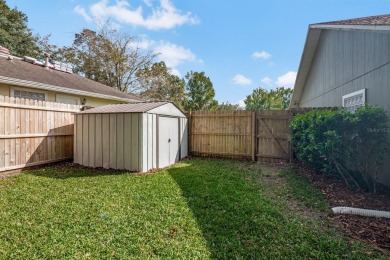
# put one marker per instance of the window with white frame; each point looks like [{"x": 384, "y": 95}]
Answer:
[
  {"x": 352, "y": 101},
  {"x": 28, "y": 94}
]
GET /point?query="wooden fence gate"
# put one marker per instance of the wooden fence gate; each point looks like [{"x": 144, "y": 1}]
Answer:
[
  {"x": 261, "y": 135},
  {"x": 273, "y": 135}
]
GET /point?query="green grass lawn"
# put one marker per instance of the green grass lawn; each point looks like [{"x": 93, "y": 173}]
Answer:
[{"x": 199, "y": 208}]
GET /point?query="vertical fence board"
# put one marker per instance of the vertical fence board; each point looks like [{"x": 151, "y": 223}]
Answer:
[
  {"x": 260, "y": 135},
  {"x": 33, "y": 133},
  {"x": 221, "y": 134},
  {"x": 273, "y": 135}
]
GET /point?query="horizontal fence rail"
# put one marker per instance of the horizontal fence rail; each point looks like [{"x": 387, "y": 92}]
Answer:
[
  {"x": 225, "y": 134},
  {"x": 273, "y": 135},
  {"x": 34, "y": 132},
  {"x": 37, "y": 132},
  {"x": 256, "y": 135}
]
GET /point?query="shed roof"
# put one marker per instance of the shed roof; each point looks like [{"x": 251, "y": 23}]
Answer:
[
  {"x": 18, "y": 72},
  {"x": 124, "y": 108}
]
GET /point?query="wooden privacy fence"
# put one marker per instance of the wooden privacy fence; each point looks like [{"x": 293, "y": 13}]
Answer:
[
  {"x": 273, "y": 135},
  {"x": 34, "y": 132},
  {"x": 256, "y": 135},
  {"x": 226, "y": 134}
]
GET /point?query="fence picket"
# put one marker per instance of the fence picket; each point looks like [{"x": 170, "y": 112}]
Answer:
[
  {"x": 240, "y": 135},
  {"x": 34, "y": 132}
]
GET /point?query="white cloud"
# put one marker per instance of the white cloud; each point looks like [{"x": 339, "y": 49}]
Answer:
[
  {"x": 148, "y": 3},
  {"x": 81, "y": 11},
  {"x": 241, "y": 80},
  {"x": 268, "y": 81},
  {"x": 164, "y": 16},
  {"x": 142, "y": 42},
  {"x": 173, "y": 55},
  {"x": 145, "y": 44},
  {"x": 261, "y": 55},
  {"x": 241, "y": 103},
  {"x": 176, "y": 72},
  {"x": 286, "y": 80}
]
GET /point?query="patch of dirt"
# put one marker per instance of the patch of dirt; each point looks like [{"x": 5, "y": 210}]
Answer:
[
  {"x": 368, "y": 230},
  {"x": 276, "y": 188},
  {"x": 374, "y": 231}
]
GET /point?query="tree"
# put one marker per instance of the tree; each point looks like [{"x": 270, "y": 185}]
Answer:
[
  {"x": 199, "y": 92},
  {"x": 258, "y": 100},
  {"x": 157, "y": 83},
  {"x": 108, "y": 57},
  {"x": 14, "y": 33},
  {"x": 261, "y": 99},
  {"x": 226, "y": 106},
  {"x": 281, "y": 97},
  {"x": 56, "y": 53}
]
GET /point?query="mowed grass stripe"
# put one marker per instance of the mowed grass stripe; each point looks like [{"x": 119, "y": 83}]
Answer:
[
  {"x": 116, "y": 215},
  {"x": 199, "y": 208}
]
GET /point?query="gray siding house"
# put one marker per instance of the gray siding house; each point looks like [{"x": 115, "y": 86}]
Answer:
[{"x": 346, "y": 64}]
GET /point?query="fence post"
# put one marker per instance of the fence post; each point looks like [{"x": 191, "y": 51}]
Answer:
[
  {"x": 291, "y": 117},
  {"x": 254, "y": 134},
  {"x": 189, "y": 133}
]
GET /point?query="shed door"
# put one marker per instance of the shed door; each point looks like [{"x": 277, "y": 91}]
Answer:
[{"x": 168, "y": 141}]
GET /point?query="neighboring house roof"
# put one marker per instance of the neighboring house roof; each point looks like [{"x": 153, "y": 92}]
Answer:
[
  {"x": 371, "y": 23},
  {"x": 20, "y": 73},
  {"x": 124, "y": 108}
]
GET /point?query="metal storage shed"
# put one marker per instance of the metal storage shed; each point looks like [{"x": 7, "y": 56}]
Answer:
[{"x": 136, "y": 137}]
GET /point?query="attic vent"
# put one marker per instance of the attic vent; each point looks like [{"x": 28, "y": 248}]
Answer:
[{"x": 353, "y": 101}]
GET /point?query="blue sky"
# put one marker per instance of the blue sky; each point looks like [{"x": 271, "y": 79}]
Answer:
[{"x": 240, "y": 45}]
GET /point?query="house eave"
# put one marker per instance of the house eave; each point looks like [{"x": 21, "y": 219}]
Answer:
[
  {"x": 42, "y": 86},
  {"x": 378, "y": 28},
  {"x": 312, "y": 39},
  {"x": 313, "y": 36}
]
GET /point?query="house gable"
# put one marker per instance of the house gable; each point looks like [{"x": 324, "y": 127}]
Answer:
[
  {"x": 348, "y": 61},
  {"x": 340, "y": 57}
]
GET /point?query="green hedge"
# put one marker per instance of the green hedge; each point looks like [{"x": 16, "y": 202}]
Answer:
[{"x": 338, "y": 142}]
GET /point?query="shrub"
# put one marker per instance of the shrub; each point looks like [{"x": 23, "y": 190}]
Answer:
[{"x": 338, "y": 142}]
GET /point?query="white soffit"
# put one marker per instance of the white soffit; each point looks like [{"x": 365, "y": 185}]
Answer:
[{"x": 384, "y": 28}]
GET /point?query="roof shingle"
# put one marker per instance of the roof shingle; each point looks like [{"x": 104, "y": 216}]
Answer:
[
  {"x": 18, "y": 69},
  {"x": 369, "y": 20}
]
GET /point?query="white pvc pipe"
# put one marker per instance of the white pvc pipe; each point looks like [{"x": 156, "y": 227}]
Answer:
[{"x": 361, "y": 212}]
